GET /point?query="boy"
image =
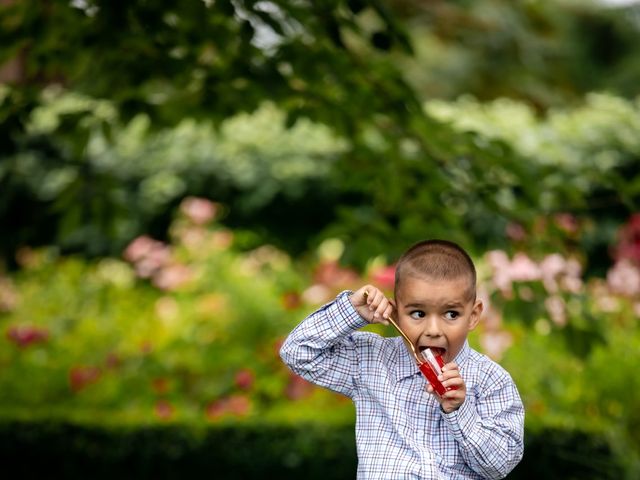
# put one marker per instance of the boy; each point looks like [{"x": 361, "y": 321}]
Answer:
[{"x": 403, "y": 428}]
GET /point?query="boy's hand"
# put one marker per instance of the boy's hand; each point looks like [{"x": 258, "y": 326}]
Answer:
[
  {"x": 372, "y": 305},
  {"x": 451, "y": 399}
]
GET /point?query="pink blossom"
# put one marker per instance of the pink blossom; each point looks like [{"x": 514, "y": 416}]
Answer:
[
  {"x": 331, "y": 274},
  {"x": 551, "y": 267},
  {"x": 499, "y": 262},
  {"x": 244, "y": 379},
  {"x": 26, "y": 335},
  {"x": 566, "y": 222},
  {"x": 384, "y": 277},
  {"x": 495, "y": 343},
  {"x": 164, "y": 410},
  {"x": 238, "y": 405},
  {"x": 516, "y": 232},
  {"x": 147, "y": 255},
  {"x": 316, "y": 294},
  {"x": 624, "y": 278},
  {"x": 193, "y": 237},
  {"x": 172, "y": 277},
  {"x": 216, "y": 410},
  {"x": 8, "y": 295},
  {"x": 298, "y": 387},
  {"x": 557, "y": 310},
  {"x": 199, "y": 210},
  {"x": 523, "y": 269},
  {"x": 139, "y": 248},
  {"x": 572, "y": 284},
  {"x": 291, "y": 300},
  {"x": 628, "y": 247},
  {"x": 82, "y": 376}
]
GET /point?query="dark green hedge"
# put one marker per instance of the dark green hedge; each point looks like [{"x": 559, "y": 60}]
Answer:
[{"x": 60, "y": 450}]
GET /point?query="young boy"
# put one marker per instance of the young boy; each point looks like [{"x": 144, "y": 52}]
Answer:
[{"x": 403, "y": 428}]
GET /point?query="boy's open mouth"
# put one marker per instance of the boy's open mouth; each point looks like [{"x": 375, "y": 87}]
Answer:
[{"x": 436, "y": 350}]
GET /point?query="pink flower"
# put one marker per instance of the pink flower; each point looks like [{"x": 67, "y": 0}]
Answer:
[
  {"x": 523, "y": 269},
  {"x": 331, "y": 274},
  {"x": 515, "y": 232},
  {"x": 291, "y": 300},
  {"x": 82, "y": 376},
  {"x": 499, "y": 263},
  {"x": 317, "y": 294},
  {"x": 147, "y": 255},
  {"x": 384, "y": 277},
  {"x": 8, "y": 295},
  {"x": 551, "y": 267},
  {"x": 172, "y": 277},
  {"x": 244, "y": 379},
  {"x": 298, "y": 387},
  {"x": 26, "y": 335},
  {"x": 199, "y": 210},
  {"x": 628, "y": 247},
  {"x": 494, "y": 344},
  {"x": 216, "y": 410},
  {"x": 566, "y": 222},
  {"x": 238, "y": 405},
  {"x": 164, "y": 410},
  {"x": 139, "y": 248},
  {"x": 556, "y": 308},
  {"x": 624, "y": 278}
]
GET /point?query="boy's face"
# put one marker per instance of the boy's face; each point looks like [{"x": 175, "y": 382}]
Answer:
[{"x": 437, "y": 313}]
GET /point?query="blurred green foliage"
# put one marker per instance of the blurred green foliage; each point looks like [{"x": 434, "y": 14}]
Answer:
[
  {"x": 90, "y": 182},
  {"x": 188, "y": 332},
  {"x": 336, "y": 132},
  {"x": 93, "y": 184}
]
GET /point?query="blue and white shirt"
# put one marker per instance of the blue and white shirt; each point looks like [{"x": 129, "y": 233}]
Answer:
[{"x": 401, "y": 431}]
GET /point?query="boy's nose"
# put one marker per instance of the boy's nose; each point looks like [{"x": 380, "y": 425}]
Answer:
[{"x": 432, "y": 327}]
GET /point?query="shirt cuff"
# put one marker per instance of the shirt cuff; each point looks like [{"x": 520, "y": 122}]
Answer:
[
  {"x": 462, "y": 420},
  {"x": 342, "y": 315}
]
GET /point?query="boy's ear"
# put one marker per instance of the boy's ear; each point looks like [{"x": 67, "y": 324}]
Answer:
[{"x": 476, "y": 313}]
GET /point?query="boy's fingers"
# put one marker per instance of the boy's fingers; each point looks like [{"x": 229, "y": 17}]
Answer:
[{"x": 450, "y": 366}]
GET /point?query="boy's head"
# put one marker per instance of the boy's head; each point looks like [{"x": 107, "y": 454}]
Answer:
[
  {"x": 435, "y": 296},
  {"x": 437, "y": 260}
]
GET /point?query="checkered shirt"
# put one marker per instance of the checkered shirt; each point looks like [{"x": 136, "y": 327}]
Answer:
[{"x": 401, "y": 431}]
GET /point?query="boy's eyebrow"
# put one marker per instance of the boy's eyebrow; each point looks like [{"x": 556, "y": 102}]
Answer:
[
  {"x": 445, "y": 305},
  {"x": 454, "y": 305},
  {"x": 414, "y": 305}
]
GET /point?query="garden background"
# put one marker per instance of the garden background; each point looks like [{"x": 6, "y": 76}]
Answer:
[{"x": 181, "y": 184}]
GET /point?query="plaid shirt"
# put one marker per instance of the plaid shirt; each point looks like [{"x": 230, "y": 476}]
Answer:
[{"x": 401, "y": 431}]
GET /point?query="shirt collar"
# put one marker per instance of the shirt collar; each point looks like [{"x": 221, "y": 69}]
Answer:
[{"x": 406, "y": 365}]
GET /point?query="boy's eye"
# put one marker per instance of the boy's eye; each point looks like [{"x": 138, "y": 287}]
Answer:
[
  {"x": 417, "y": 314},
  {"x": 451, "y": 315}
]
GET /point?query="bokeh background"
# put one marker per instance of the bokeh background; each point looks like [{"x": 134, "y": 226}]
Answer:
[{"x": 180, "y": 184}]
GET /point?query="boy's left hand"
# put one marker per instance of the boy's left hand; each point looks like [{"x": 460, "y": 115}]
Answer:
[{"x": 451, "y": 399}]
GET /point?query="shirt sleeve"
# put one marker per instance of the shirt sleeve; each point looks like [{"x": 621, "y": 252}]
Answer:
[
  {"x": 489, "y": 429},
  {"x": 321, "y": 349}
]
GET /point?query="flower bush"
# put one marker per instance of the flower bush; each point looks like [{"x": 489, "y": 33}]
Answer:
[{"x": 189, "y": 331}]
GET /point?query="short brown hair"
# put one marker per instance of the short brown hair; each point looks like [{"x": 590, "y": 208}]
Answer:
[{"x": 438, "y": 260}]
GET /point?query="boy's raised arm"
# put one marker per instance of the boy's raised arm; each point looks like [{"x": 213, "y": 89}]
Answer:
[{"x": 321, "y": 348}]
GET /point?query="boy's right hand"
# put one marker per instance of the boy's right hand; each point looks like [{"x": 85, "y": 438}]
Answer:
[{"x": 372, "y": 305}]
